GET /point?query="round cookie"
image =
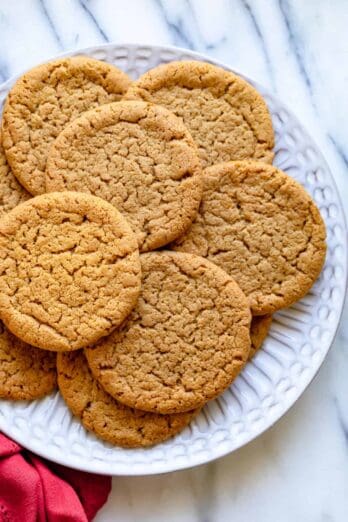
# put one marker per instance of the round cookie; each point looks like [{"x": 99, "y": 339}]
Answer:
[
  {"x": 263, "y": 228},
  {"x": 106, "y": 417},
  {"x": 11, "y": 192},
  {"x": 43, "y": 101},
  {"x": 26, "y": 373},
  {"x": 259, "y": 328},
  {"x": 185, "y": 341},
  {"x": 227, "y": 117},
  {"x": 69, "y": 270},
  {"x": 140, "y": 158}
]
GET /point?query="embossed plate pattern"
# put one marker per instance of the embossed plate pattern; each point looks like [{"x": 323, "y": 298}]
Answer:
[{"x": 299, "y": 339}]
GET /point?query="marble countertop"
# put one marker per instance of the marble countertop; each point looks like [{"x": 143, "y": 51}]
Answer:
[{"x": 298, "y": 470}]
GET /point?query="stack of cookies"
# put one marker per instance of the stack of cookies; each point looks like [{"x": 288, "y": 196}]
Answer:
[{"x": 145, "y": 241}]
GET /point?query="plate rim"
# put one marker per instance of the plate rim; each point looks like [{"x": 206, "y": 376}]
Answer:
[{"x": 100, "y": 467}]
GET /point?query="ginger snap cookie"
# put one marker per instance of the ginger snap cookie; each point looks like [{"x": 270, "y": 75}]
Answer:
[
  {"x": 227, "y": 117},
  {"x": 44, "y": 100},
  {"x": 263, "y": 228},
  {"x": 106, "y": 417},
  {"x": 11, "y": 192},
  {"x": 259, "y": 328},
  {"x": 185, "y": 341},
  {"x": 139, "y": 157},
  {"x": 26, "y": 373},
  {"x": 69, "y": 270}
]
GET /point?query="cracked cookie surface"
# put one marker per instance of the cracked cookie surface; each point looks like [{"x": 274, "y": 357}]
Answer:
[
  {"x": 11, "y": 192},
  {"x": 259, "y": 328},
  {"x": 106, "y": 417},
  {"x": 263, "y": 228},
  {"x": 44, "y": 100},
  {"x": 26, "y": 372},
  {"x": 69, "y": 270},
  {"x": 185, "y": 341},
  {"x": 227, "y": 117},
  {"x": 140, "y": 158}
]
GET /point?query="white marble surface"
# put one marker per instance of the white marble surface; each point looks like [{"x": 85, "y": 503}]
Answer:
[{"x": 298, "y": 470}]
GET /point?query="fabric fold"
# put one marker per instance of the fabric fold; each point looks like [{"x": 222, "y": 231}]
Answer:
[{"x": 35, "y": 490}]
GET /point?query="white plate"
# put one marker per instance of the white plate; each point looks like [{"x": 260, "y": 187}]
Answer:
[{"x": 298, "y": 342}]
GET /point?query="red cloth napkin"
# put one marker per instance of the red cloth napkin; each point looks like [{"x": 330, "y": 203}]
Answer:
[{"x": 35, "y": 490}]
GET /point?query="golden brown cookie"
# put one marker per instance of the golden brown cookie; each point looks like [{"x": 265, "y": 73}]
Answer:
[
  {"x": 69, "y": 270},
  {"x": 259, "y": 328},
  {"x": 106, "y": 417},
  {"x": 43, "y": 101},
  {"x": 263, "y": 228},
  {"x": 140, "y": 158},
  {"x": 185, "y": 341},
  {"x": 227, "y": 117},
  {"x": 26, "y": 373},
  {"x": 11, "y": 192}
]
